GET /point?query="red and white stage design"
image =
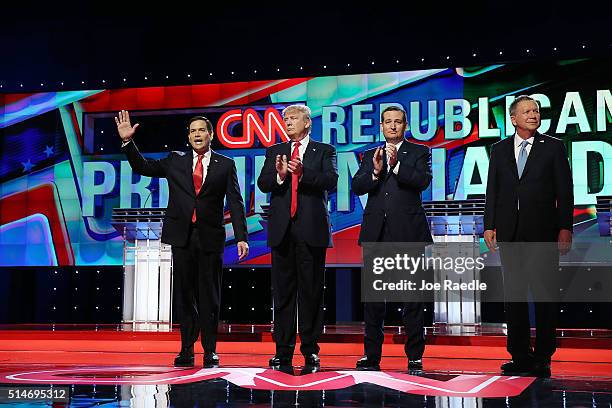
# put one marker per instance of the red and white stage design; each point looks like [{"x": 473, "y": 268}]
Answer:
[{"x": 484, "y": 386}]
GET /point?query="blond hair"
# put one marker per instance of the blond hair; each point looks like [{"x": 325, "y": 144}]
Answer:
[
  {"x": 300, "y": 108},
  {"x": 305, "y": 110}
]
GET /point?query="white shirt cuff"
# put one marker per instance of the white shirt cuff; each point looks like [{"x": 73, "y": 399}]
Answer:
[{"x": 396, "y": 168}]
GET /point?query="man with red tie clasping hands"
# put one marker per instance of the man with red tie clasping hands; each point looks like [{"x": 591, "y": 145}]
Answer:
[
  {"x": 298, "y": 175},
  {"x": 199, "y": 180}
]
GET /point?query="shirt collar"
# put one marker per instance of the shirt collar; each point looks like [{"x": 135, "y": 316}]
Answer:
[
  {"x": 304, "y": 141},
  {"x": 206, "y": 155},
  {"x": 518, "y": 140},
  {"x": 397, "y": 146}
]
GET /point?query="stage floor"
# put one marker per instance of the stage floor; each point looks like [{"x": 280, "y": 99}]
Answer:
[{"x": 132, "y": 365}]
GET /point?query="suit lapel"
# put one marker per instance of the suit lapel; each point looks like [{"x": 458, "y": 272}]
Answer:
[
  {"x": 286, "y": 150},
  {"x": 403, "y": 150},
  {"x": 311, "y": 151},
  {"x": 508, "y": 153},
  {"x": 188, "y": 169},
  {"x": 213, "y": 167},
  {"x": 534, "y": 153}
]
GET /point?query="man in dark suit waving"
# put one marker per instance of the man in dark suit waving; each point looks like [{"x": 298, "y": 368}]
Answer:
[
  {"x": 394, "y": 177},
  {"x": 199, "y": 180},
  {"x": 529, "y": 200},
  {"x": 298, "y": 174}
]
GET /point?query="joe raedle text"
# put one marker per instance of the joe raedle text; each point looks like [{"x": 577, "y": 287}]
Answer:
[{"x": 423, "y": 285}]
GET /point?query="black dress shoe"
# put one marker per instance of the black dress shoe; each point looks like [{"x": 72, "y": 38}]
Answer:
[
  {"x": 276, "y": 362},
  {"x": 287, "y": 369},
  {"x": 367, "y": 364},
  {"x": 312, "y": 360},
  {"x": 519, "y": 367},
  {"x": 211, "y": 360},
  {"x": 541, "y": 369},
  {"x": 415, "y": 365},
  {"x": 184, "y": 359}
]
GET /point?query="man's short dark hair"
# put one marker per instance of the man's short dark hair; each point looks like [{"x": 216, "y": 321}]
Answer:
[
  {"x": 205, "y": 119},
  {"x": 519, "y": 99},
  {"x": 393, "y": 109}
]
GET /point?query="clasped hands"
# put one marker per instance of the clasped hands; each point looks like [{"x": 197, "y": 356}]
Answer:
[
  {"x": 293, "y": 166},
  {"x": 377, "y": 158}
]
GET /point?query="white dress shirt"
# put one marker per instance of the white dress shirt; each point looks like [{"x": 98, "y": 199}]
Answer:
[
  {"x": 301, "y": 151},
  {"x": 517, "y": 146}
]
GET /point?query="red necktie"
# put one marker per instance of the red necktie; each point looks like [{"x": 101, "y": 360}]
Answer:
[
  {"x": 294, "y": 180},
  {"x": 198, "y": 173}
]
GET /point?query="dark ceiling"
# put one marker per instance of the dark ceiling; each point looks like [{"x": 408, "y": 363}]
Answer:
[{"x": 88, "y": 43}]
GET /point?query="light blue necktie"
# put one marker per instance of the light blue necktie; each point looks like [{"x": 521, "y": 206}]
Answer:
[{"x": 522, "y": 158}]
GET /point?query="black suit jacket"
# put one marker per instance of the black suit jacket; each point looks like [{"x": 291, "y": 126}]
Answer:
[
  {"x": 320, "y": 175},
  {"x": 545, "y": 191},
  {"x": 221, "y": 181},
  {"x": 395, "y": 198}
]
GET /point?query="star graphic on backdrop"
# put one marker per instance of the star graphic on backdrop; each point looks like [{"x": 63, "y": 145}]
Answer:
[
  {"x": 49, "y": 151},
  {"x": 27, "y": 166}
]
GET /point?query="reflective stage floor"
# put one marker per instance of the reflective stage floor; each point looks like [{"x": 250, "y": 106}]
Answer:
[{"x": 121, "y": 366}]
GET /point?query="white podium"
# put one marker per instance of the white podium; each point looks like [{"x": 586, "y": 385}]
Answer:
[
  {"x": 147, "y": 266},
  {"x": 453, "y": 222}
]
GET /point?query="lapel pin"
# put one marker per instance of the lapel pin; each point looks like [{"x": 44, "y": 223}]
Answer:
[{"x": 541, "y": 141}]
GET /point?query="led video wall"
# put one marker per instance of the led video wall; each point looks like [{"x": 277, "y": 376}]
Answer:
[{"x": 62, "y": 171}]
